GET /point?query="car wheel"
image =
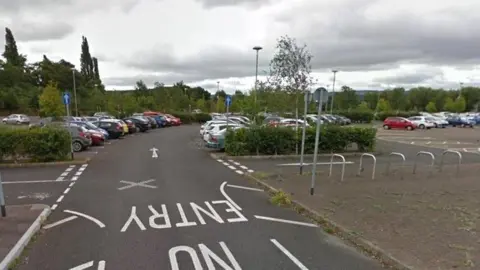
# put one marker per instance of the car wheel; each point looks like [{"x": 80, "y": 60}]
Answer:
[
  {"x": 18, "y": 123},
  {"x": 5, "y": 122},
  {"x": 436, "y": 126},
  {"x": 463, "y": 125},
  {"x": 409, "y": 128},
  {"x": 422, "y": 126},
  {"x": 386, "y": 127},
  {"x": 77, "y": 146}
]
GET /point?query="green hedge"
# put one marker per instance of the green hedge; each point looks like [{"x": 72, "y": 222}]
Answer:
[
  {"x": 35, "y": 144},
  {"x": 189, "y": 118},
  {"x": 264, "y": 140},
  {"x": 357, "y": 116}
]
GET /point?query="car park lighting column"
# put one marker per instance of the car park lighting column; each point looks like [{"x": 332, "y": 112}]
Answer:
[
  {"x": 317, "y": 138},
  {"x": 333, "y": 90}
]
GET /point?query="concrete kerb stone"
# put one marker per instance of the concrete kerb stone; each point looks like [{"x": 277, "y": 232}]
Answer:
[
  {"x": 366, "y": 246},
  {"x": 17, "y": 250},
  {"x": 45, "y": 164}
]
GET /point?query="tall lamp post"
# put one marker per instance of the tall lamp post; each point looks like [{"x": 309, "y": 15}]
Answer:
[
  {"x": 333, "y": 89},
  {"x": 257, "y": 49},
  {"x": 218, "y": 86},
  {"x": 75, "y": 92}
]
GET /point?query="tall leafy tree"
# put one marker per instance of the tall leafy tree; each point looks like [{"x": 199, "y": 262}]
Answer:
[
  {"x": 50, "y": 101},
  {"x": 96, "y": 72},
  {"x": 11, "y": 53},
  {"x": 86, "y": 62}
]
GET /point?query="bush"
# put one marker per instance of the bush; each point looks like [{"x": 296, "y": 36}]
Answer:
[
  {"x": 382, "y": 115},
  {"x": 35, "y": 144},
  {"x": 189, "y": 118},
  {"x": 264, "y": 140},
  {"x": 357, "y": 116}
]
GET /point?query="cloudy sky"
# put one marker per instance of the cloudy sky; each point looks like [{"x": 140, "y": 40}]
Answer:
[{"x": 374, "y": 43}]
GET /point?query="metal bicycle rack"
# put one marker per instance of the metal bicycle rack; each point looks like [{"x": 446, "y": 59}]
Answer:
[
  {"x": 390, "y": 160},
  {"x": 360, "y": 167},
  {"x": 343, "y": 165},
  {"x": 426, "y": 154},
  {"x": 452, "y": 152}
]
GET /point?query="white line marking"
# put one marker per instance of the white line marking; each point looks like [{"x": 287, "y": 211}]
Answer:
[
  {"x": 84, "y": 165},
  {"x": 66, "y": 191},
  {"x": 239, "y": 172},
  {"x": 72, "y": 166},
  {"x": 412, "y": 143},
  {"x": 78, "y": 173},
  {"x": 71, "y": 184},
  {"x": 219, "y": 160},
  {"x": 458, "y": 142},
  {"x": 236, "y": 163},
  {"x": 465, "y": 150},
  {"x": 289, "y": 255},
  {"x": 98, "y": 222},
  {"x": 82, "y": 169},
  {"x": 429, "y": 142},
  {"x": 64, "y": 174},
  {"x": 444, "y": 142},
  {"x": 54, "y": 206},
  {"x": 75, "y": 178},
  {"x": 244, "y": 167},
  {"x": 34, "y": 181},
  {"x": 59, "y": 179},
  {"x": 247, "y": 188},
  {"x": 59, "y": 222},
  {"x": 60, "y": 198},
  {"x": 101, "y": 265},
  {"x": 222, "y": 190},
  {"x": 225, "y": 163},
  {"x": 250, "y": 171},
  {"x": 83, "y": 266},
  {"x": 231, "y": 167},
  {"x": 231, "y": 160},
  {"x": 287, "y": 221}
]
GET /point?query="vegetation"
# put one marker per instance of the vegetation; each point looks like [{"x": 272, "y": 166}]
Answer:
[
  {"x": 35, "y": 144},
  {"x": 281, "y": 140}
]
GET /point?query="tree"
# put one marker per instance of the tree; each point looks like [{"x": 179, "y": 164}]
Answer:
[
  {"x": 449, "y": 105},
  {"x": 50, "y": 101},
  {"x": 96, "y": 73},
  {"x": 86, "y": 62},
  {"x": 11, "y": 51},
  {"x": 363, "y": 106},
  {"x": 431, "y": 107},
  {"x": 460, "y": 104},
  {"x": 383, "y": 105}
]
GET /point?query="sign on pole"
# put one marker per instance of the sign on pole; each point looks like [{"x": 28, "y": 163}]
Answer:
[
  {"x": 66, "y": 98},
  {"x": 228, "y": 102},
  {"x": 66, "y": 101}
]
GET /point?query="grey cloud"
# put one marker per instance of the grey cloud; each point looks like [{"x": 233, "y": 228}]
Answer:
[
  {"x": 18, "y": 5},
  {"x": 418, "y": 76},
  {"x": 226, "y": 3},
  {"x": 28, "y": 31}
]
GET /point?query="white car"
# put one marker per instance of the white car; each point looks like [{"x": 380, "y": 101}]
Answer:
[
  {"x": 438, "y": 122},
  {"x": 216, "y": 128},
  {"x": 292, "y": 123},
  {"x": 214, "y": 122},
  {"x": 422, "y": 122}
]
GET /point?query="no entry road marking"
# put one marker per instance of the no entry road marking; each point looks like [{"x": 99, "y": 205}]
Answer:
[
  {"x": 101, "y": 266},
  {"x": 247, "y": 188},
  {"x": 287, "y": 221},
  {"x": 70, "y": 218},
  {"x": 139, "y": 184},
  {"x": 75, "y": 216},
  {"x": 289, "y": 255}
]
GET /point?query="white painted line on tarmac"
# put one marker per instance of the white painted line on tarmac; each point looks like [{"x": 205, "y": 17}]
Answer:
[
  {"x": 54, "y": 206},
  {"x": 236, "y": 163},
  {"x": 231, "y": 167},
  {"x": 83, "y": 266},
  {"x": 60, "y": 199},
  {"x": 250, "y": 171},
  {"x": 231, "y": 160},
  {"x": 96, "y": 221},
  {"x": 60, "y": 222},
  {"x": 429, "y": 142},
  {"x": 222, "y": 190},
  {"x": 78, "y": 173},
  {"x": 287, "y": 221},
  {"x": 101, "y": 265},
  {"x": 71, "y": 184},
  {"x": 247, "y": 188},
  {"x": 244, "y": 167},
  {"x": 225, "y": 163},
  {"x": 219, "y": 160},
  {"x": 444, "y": 142},
  {"x": 239, "y": 172},
  {"x": 75, "y": 178},
  {"x": 66, "y": 191},
  {"x": 59, "y": 179},
  {"x": 412, "y": 143},
  {"x": 289, "y": 255},
  {"x": 34, "y": 181}
]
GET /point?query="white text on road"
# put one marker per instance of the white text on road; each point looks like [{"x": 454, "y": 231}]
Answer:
[
  {"x": 208, "y": 255},
  {"x": 200, "y": 212}
]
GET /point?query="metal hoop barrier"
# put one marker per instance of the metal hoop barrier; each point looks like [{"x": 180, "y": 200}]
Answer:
[
  {"x": 390, "y": 160},
  {"x": 452, "y": 152},
  {"x": 426, "y": 154},
  {"x": 343, "y": 164},
  {"x": 360, "y": 167}
]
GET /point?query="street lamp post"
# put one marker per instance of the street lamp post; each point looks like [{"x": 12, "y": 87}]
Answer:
[
  {"x": 333, "y": 90},
  {"x": 75, "y": 92},
  {"x": 257, "y": 49},
  {"x": 218, "y": 86}
]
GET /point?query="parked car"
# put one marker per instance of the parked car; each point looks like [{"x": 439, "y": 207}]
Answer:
[
  {"x": 398, "y": 123},
  {"x": 217, "y": 140},
  {"x": 175, "y": 121},
  {"x": 215, "y": 128},
  {"x": 213, "y": 122},
  {"x": 131, "y": 126},
  {"x": 153, "y": 122},
  {"x": 460, "y": 121},
  {"x": 438, "y": 122},
  {"x": 114, "y": 128},
  {"x": 292, "y": 123},
  {"x": 422, "y": 122},
  {"x": 91, "y": 127},
  {"x": 81, "y": 139},
  {"x": 18, "y": 119},
  {"x": 140, "y": 122}
]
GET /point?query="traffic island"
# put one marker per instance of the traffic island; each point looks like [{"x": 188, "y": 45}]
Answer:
[
  {"x": 426, "y": 220},
  {"x": 17, "y": 229}
]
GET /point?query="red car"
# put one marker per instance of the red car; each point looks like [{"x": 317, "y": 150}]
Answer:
[
  {"x": 175, "y": 121},
  {"x": 398, "y": 123},
  {"x": 97, "y": 137}
]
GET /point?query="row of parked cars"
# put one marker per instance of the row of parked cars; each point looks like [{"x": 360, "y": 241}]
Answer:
[
  {"x": 275, "y": 120},
  {"x": 95, "y": 130},
  {"x": 427, "y": 121},
  {"x": 213, "y": 132}
]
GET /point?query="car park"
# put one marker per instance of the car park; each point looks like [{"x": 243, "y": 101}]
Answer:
[
  {"x": 81, "y": 139},
  {"x": 91, "y": 127},
  {"x": 398, "y": 123},
  {"x": 455, "y": 121},
  {"x": 131, "y": 126},
  {"x": 422, "y": 122},
  {"x": 114, "y": 128},
  {"x": 140, "y": 122},
  {"x": 215, "y": 128},
  {"x": 438, "y": 122},
  {"x": 213, "y": 122},
  {"x": 17, "y": 119}
]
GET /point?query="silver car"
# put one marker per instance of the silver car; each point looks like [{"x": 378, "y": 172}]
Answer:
[{"x": 18, "y": 119}]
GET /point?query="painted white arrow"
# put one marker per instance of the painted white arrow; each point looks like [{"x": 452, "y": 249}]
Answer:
[
  {"x": 154, "y": 152},
  {"x": 101, "y": 266}
]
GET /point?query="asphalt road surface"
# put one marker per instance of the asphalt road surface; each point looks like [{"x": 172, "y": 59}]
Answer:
[{"x": 181, "y": 210}]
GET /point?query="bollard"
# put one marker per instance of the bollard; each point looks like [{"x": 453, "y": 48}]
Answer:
[{"x": 2, "y": 198}]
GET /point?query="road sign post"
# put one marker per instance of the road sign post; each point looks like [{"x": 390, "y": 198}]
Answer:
[
  {"x": 228, "y": 102},
  {"x": 305, "y": 109},
  {"x": 2, "y": 199},
  {"x": 317, "y": 138},
  {"x": 66, "y": 101}
]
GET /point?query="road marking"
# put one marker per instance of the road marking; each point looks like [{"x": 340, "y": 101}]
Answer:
[
  {"x": 60, "y": 198},
  {"x": 66, "y": 191},
  {"x": 208, "y": 256},
  {"x": 412, "y": 143},
  {"x": 444, "y": 142},
  {"x": 133, "y": 217},
  {"x": 139, "y": 184},
  {"x": 287, "y": 221},
  {"x": 101, "y": 265},
  {"x": 54, "y": 206},
  {"x": 247, "y": 188},
  {"x": 65, "y": 173},
  {"x": 289, "y": 255},
  {"x": 154, "y": 152},
  {"x": 78, "y": 173},
  {"x": 75, "y": 178},
  {"x": 239, "y": 172},
  {"x": 225, "y": 163},
  {"x": 231, "y": 160},
  {"x": 244, "y": 167},
  {"x": 35, "y": 181},
  {"x": 219, "y": 160},
  {"x": 83, "y": 266},
  {"x": 71, "y": 184},
  {"x": 222, "y": 190},
  {"x": 236, "y": 163},
  {"x": 231, "y": 167},
  {"x": 70, "y": 218},
  {"x": 429, "y": 142},
  {"x": 96, "y": 221}
]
